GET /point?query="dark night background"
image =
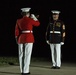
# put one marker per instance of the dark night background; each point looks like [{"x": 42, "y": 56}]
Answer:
[{"x": 10, "y": 12}]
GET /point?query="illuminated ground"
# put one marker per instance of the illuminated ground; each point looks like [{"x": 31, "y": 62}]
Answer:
[{"x": 40, "y": 68}]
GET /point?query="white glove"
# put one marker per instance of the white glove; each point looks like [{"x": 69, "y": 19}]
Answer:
[
  {"x": 47, "y": 42},
  {"x": 33, "y": 17},
  {"x": 62, "y": 43}
]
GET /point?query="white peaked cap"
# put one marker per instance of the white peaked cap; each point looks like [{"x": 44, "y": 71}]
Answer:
[
  {"x": 55, "y": 11},
  {"x": 25, "y": 9}
]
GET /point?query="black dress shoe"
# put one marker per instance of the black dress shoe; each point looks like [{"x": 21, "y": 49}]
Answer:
[
  {"x": 29, "y": 73},
  {"x": 25, "y": 73},
  {"x": 57, "y": 67},
  {"x": 53, "y": 67}
]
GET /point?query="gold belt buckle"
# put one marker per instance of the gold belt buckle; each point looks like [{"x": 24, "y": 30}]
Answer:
[{"x": 53, "y": 31}]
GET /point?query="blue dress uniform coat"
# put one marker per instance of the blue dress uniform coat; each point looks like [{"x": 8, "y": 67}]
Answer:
[{"x": 55, "y": 32}]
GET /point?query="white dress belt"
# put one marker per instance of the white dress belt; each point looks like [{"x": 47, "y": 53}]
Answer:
[
  {"x": 55, "y": 32},
  {"x": 27, "y": 31}
]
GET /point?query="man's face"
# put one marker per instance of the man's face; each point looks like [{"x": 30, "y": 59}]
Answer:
[{"x": 55, "y": 16}]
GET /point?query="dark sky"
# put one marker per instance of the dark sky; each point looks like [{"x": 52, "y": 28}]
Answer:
[{"x": 10, "y": 12}]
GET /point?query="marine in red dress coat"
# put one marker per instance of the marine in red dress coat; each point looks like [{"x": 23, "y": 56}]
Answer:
[{"x": 25, "y": 38}]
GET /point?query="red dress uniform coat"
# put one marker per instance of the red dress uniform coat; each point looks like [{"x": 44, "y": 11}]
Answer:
[{"x": 25, "y": 24}]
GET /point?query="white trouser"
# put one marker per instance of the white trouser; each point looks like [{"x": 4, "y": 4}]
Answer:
[
  {"x": 56, "y": 54},
  {"x": 25, "y": 51}
]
